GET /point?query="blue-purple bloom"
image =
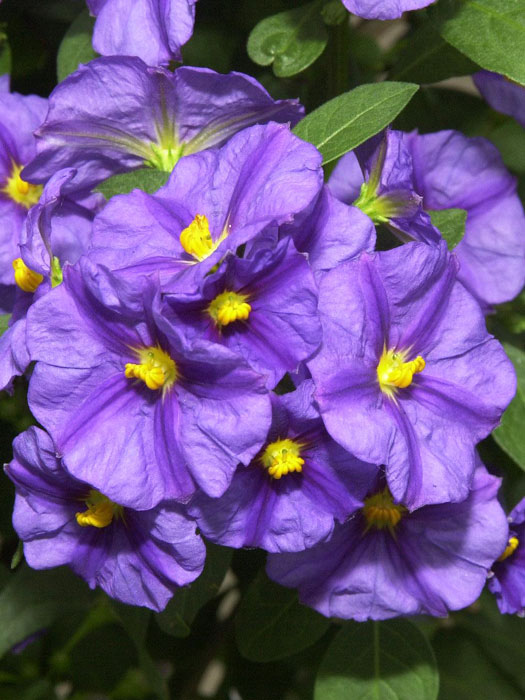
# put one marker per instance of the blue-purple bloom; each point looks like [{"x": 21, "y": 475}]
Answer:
[
  {"x": 383, "y": 9},
  {"x": 137, "y": 557},
  {"x": 508, "y": 580},
  {"x": 502, "y": 94},
  {"x": 386, "y": 561},
  {"x": 116, "y": 114},
  {"x": 135, "y": 407},
  {"x": 154, "y": 30},
  {"x": 290, "y": 495},
  {"x": 407, "y": 375}
]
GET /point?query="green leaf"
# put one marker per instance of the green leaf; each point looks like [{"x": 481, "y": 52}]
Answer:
[
  {"x": 5, "y": 54},
  {"x": 509, "y": 435},
  {"x": 509, "y": 139},
  {"x": 180, "y": 612},
  {"x": 146, "y": 179},
  {"x": 4, "y": 323},
  {"x": 290, "y": 40},
  {"x": 425, "y": 57},
  {"x": 451, "y": 223},
  {"x": 491, "y": 33},
  {"x": 346, "y": 121},
  {"x": 32, "y": 600},
  {"x": 271, "y": 624},
  {"x": 389, "y": 660},
  {"x": 76, "y": 46}
]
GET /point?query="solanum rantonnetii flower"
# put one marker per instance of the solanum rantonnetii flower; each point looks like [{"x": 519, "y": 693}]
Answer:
[
  {"x": 154, "y": 30},
  {"x": 263, "y": 307},
  {"x": 508, "y": 580},
  {"x": 116, "y": 114},
  {"x": 290, "y": 495},
  {"x": 383, "y": 9},
  {"x": 386, "y": 561},
  {"x": 407, "y": 375},
  {"x": 137, "y": 557},
  {"x": 502, "y": 94},
  {"x": 135, "y": 408},
  {"x": 213, "y": 202}
]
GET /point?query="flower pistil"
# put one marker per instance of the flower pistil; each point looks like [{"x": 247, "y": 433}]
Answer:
[
  {"x": 282, "y": 457},
  {"x": 394, "y": 372},
  {"x": 156, "y": 368},
  {"x": 100, "y": 511}
]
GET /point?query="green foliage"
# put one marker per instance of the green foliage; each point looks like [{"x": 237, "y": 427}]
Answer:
[
  {"x": 290, "y": 40},
  {"x": 4, "y": 322},
  {"x": 491, "y": 33},
  {"x": 343, "y": 123},
  {"x": 451, "y": 223},
  {"x": 271, "y": 623},
  {"x": 509, "y": 435},
  {"x": 146, "y": 179},
  {"x": 76, "y": 46},
  {"x": 5, "y": 54},
  {"x": 378, "y": 661}
]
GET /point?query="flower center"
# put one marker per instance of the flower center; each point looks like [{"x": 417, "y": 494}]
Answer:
[
  {"x": 381, "y": 512},
  {"x": 156, "y": 369},
  {"x": 196, "y": 238},
  {"x": 510, "y": 548},
  {"x": 282, "y": 457},
  {"x": 19, "y": 190},
  {"x": 393, "y": 372},
  {"x": 100, "y": 511},
  {"x": 164, "y": 157},
  {"x": 229, "y": 307},
  {"x": 27, "y": 279}
]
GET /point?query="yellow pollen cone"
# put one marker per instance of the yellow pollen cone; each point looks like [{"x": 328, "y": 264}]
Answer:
[
  {"x": 282, "y": 457},
  {"x": 20, "y": 191},
  {"x": 510, "y": 548},
  {"x": 381, "y": 512},
  {"x": 100, "y": 511},
  {"x": 393, "y": 372},
  {"x": 229, "y": 307},
  {"x": 156, "y": 368},
  {"x": 27, "y": 279}
]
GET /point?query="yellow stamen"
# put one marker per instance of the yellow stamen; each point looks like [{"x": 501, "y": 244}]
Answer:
[
  {"x": 100, "y": 511},
  {"x": 196, "y": 238},
  {"x": 394, "y": 372},
  {"x": 156, "y": 369},
  {"x": 282, "y": 457},
  {"x": 510, "y": 548},
  {"x": 228, "y": 307},
  {"x": 381, "y": 512},
  {"x": 19, "y": 190},
  {"x": 27, "y": 279}
]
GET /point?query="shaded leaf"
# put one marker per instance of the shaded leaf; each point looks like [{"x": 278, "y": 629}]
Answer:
[
  {"x": 76, "y": 46},
  {"x": 451, "y": 223},
  {"x": 145, "y": 179},
  {"x": 509, "y": 435},
  {"x": 4, "y": 322}
]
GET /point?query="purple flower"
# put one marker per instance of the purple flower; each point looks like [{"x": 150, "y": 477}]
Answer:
[
  {"x": 154, "y": 30},
  {"x": 383, "y": 9},
  {"x": 116, "y": 114},
  {"x": 451, "y": 171},
  {"x": 502, "y": 94},
  {"x": 137, "y": 557},
  {"x": 508, "y": 580},
  {"x": 386, "y": 561},
  {"x": 136, "y": 409},
  {"x": 263, "y": 307},
  {"x": 289, "y": 496},
  {"x": 407, "y": 375},
  {"x": 213, "y": 202}
]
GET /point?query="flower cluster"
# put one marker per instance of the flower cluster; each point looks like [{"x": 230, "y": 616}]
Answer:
[{"x": 230, "y": 357}]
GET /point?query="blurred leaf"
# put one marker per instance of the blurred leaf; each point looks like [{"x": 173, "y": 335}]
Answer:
[
  {"x": 509, "y": 435},
  {"x": 76, "y": 46},
  {"x": 512, "y": 315},
  {"x": 290, "y": 40},
  {"x": 271, "y": 624},
  {"x": 346, "y": 121},
  {"x": 18, "y": 556},
  {"x": 491, "y": 33},
  {"x": 425, "y": 57},
  {"x": 378, "y": 661},
  {"x": 5, "y": 54},
  {"x": 180, "y": 612},
  {"x": 4, "y": 322},
  {"x": 32, "y": 600},
  {"x": 509, "y": 138},
  {"x": 210, "y": 47},
  {"x": 451, "y": 223},
  {"x": 145, "y": 179}
]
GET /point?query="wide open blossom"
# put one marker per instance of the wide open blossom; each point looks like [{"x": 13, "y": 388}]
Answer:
[
  {"x": 508, "y": 581},
  {"x": 290, "y": 495},
  {"x": 116, "y": 114},
  {"x": 502, "y": 94},
  {"x": 136, "y": 409},
  {"x": 386, "y": 561},
  {"x": 137, "y": 557},
  {"x": 383, "y": 9},
  {"x": 154, "y": 30},
  {"x": 407, "y": 375}
]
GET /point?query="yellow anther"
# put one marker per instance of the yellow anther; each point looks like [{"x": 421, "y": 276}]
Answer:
[
  {"x": 19, "y": 190},
  {"x": 196, "y": 238},
  {"x": 381, "y": 512},
  {"x": 393, "y": 372},
  {"x": 100, "y": 511},
  {"x": 228, "y": 307},
  {"x": 282, "y": 457},
  {"x": 510, "y": 548},
  {"x": 27, "y": 279},
  {"x": 156, "y": 368}
]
